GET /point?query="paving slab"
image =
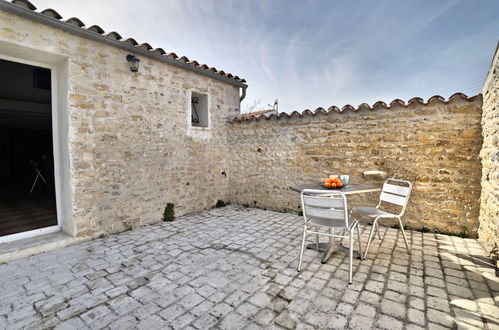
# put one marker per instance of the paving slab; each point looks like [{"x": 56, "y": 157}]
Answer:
[{"x": 235, "y": 268}]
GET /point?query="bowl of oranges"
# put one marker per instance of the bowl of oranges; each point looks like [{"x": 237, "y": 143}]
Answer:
[{"x": 333, "y": 182}]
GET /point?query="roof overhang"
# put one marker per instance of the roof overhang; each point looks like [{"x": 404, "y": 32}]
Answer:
[{"x": 66, "y": 27}]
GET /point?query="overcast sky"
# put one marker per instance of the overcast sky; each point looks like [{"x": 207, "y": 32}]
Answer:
[{"x": 318, "y": 52}]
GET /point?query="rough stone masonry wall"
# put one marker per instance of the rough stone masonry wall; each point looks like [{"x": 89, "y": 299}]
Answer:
[
  {"x": 129, "y": 150},
  {"x": 489, "y": 211},
  {"x": 435, "y": 146}
]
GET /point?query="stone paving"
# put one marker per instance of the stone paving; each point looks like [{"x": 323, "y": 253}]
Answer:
[{"x": 235, "y": 268}]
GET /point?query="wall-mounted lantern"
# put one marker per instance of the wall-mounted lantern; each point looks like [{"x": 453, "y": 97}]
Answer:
[{"x": 133, "y": 61}]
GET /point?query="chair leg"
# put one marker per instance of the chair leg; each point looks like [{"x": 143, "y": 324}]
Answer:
[
  {"x": 405, "y": 237},
  {"x": 331, "y": 231},
  {"x": 370, "y": 237},
  {"x": 358, "y": 238},
  {"x": 302, "y": 247},
  {"x": 350, "y": 256},
  {"x": 317, "y": 237},
  {"x": 377, "y": 230}
]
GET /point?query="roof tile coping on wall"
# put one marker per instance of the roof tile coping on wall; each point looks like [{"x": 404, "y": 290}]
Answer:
[
  {"x": 256, "y": 113},
  {"x": 363, "y": 106},
  {"x": 76, "y": 22}
]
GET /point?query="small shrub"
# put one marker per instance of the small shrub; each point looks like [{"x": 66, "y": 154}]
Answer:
[
  {"x": 425, "y": 230},
  {"x": 221, "y": 203},
  {"x": 169, "y": 212}
]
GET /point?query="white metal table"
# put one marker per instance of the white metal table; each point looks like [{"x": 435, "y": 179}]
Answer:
[{"x": 350, "y": 189}]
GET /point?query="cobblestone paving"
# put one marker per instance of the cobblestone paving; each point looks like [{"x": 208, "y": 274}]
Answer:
[{"x": 235, "y": 268}]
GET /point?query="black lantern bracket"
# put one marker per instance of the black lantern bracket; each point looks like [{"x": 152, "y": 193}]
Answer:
[{"x": 133, "y": 61}]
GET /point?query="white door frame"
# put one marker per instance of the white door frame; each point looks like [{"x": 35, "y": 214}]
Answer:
[{"x": 60, "y": 139}]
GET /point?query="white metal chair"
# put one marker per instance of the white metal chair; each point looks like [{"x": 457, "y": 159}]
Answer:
[
  {"x": 395, "y": 194},
  {"x": 327, "y": 209},
  {"x": 38, "y": 175}
]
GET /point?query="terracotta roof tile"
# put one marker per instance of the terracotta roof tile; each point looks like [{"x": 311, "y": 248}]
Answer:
[
  {"x": 364, "y": 106},
  {"x": 397, "y": 102},
  {"x": 51, "y": 13},
  {"x": 349, "y": 107},
  {"x": 146, "y": 46},
  {"x": 333, "y": 109},
  {"x": 436, "y": 98},
  {"x": 416, "y": 100},
  {"x": 76, "y": 22},
  {"x": 255, "y": 113},
  {"x": 131, "y": 41},
  {"x": 96, "y": 29},
  {"x": 379, "y": 104},
  {"x": 24, "y": 3},
  {"x": 159, "y": 51},
  {"x": 115, "y": 35}
]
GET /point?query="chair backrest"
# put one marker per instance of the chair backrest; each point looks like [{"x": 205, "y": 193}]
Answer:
[
  {"x": 328, "y": 205},
  {"x": 397, "y": 194}
]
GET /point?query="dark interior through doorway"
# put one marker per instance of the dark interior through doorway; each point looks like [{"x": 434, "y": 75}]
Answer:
[{"x": 27, "y": 194}]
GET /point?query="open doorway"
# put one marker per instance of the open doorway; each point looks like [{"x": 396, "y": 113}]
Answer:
[{"x": 27, "y": 189}]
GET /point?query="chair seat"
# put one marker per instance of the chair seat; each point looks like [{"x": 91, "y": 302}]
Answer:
[
  {"x": 333, "y": 223},
  {"x": 372, "y": 212}
]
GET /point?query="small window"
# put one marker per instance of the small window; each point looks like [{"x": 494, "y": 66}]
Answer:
[{"x": 199, "y": 110}]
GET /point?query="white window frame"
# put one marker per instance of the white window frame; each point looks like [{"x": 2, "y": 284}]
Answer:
[{"x": 189, "y": 112}]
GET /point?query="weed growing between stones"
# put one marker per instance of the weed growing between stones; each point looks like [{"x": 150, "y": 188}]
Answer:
[
  {"x": 169, "y": 212},
  {"x": 221, "y": 203}
]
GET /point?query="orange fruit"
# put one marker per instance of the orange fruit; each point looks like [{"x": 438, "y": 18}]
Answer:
[
  {"x": 333, "y": 185},
  {"x": 340, "y": 184},
  {"x": 327, "y": 184}
]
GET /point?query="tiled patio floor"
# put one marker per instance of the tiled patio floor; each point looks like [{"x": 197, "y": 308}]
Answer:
[{"x": 235, "y": 268}]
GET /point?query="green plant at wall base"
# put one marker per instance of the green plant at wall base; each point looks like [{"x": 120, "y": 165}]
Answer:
[
  {"x": 169, "y": 213},
  {"x": 221, "y": 203},
  {"x": 464, "y": 233}
]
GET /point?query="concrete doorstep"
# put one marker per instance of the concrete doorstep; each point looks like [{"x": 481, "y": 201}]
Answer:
[{"x": 33, "y": 245}]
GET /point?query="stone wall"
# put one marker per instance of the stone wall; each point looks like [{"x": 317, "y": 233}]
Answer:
[
  {"x": 489, "y": 211},
  {"x": 130, "y": 151},
  {"x": 434, "y": 145}
]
